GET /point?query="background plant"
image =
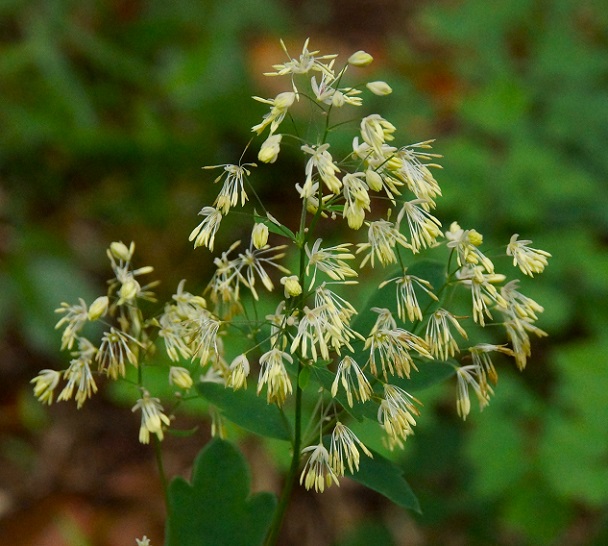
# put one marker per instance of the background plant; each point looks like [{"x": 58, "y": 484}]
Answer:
[{"x": 359, "y": 362}]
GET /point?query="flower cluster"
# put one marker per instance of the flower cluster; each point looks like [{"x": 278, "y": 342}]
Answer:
[{"x": 385, "y": 195}]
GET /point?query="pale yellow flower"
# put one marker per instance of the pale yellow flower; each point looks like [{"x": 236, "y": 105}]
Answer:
[
  {"x": 253, "y": 263},
  {"x": 408, "y": 166},
  {"x": 439, "y": 336},
  {"x": 467, "y": 376},
  {"x": 374, "y": 180},
  {"x": 78, "y": 376},
  {"x": 204, "y": 233},
  {"x": 152, "y": 418},
  {"x": 115, "y": 352},
  {"x": 424, "y": 227},
  {"x": 314, "y": 330},
  {"x": 322, "y": 161},
  {"x": 345, "y": 445},
  {"x": 353, "y": 380},
  {"x": 529, "y": 260},
  {"x": 480, "y": 355},
  {"x": 274, "y": 375},
  {"x": 223, "y": 288},
  {"x": 279, "y": 107},
  {"x": 180, "y": 377},
  {"x": 376, "y": 131},
  {"x": 397, "y": 414},
  {"x": 233, "y": 187},
  {"x": 390, "y": 349},
  {"x": 408, "y": 307},
  {"x": 178, "y": 322},
  {"x": 327, "y": 94},
  {"x": 330, "y": 260},
  {"x": 465, "y": 242},
  {"x": 76, "y": 316},
  {"x": 383, "y": 236},
  {"x": 45, "y": 384},
  {"x": 307, "y": 61},
  {"x": 238, "y": 373},
  {"x": 204, "y": 338},
  {"x": 130, "y": 289},
  {"x": 218, "y": 423},
  {"x": 356, "y": 198},
  {"x": 518, "y": 305},
  {"x": 318, "y": 471},
  {"x": 518, "y": 333},
  {"x": 483, "y": 291}
]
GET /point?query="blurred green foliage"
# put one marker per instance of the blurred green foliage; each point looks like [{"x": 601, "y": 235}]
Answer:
[
  {"x": 527, "y": 120},
  {"x": 109, "y": 109}
]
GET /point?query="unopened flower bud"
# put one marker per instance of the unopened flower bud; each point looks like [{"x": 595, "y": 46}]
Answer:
[
  {"x": 284, "y": 100},
  {"x": 337, "y": 99},
  {"x": 98, "y": 308},
  {"x": 292, "y": 286},
  {"x": 259, "y": 235},
  {"x": 129, "y": 290},
  {"x": 360, "y": 58},
  {"x": 373, "y": 179},
  {"x": 120, "y": 251},
  {"x": 180, "y": 377},
  {"x": 379, "y": 88},
  {"x": 270, "y": 149},
  {"x": 475, "y": 238}
]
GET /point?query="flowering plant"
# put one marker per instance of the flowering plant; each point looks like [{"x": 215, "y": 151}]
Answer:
[{"x": 322, "y": 361}]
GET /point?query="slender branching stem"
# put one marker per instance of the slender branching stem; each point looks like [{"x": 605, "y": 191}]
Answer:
[
  {"x": 161, "y": 470},
  {"x": 292, "y": 475}
]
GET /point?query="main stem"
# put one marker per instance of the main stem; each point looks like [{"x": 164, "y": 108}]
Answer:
[{"x": 290, "y": 479}]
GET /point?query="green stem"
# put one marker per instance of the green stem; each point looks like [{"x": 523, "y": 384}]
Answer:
[
  {"x": 161, "y": 470},
  {"x": 279, "y": 514}
]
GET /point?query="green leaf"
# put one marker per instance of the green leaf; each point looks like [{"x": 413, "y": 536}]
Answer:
[
  {"x": 386, "y": 478},
  {"x": 430, "y": 372},
  {"x": 217, "y": 509},
  {"x": 246, "y": 409},
  {"x": 304, "y": 378}
]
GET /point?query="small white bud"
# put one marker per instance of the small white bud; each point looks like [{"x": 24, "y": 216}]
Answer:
[
  {"x": 360, "y": 58},
  {"x": 259, "y": 235},
  {"x": 379, "y": 88},
  {"x": 270, "y": 149},
  {"x": 98, "y": 308},
  {"x": 120, "y": 251},
  {"x": 292, "y": 286},
  {"x": 373, "y": 179},
  {"x": 129, "y": 290}
]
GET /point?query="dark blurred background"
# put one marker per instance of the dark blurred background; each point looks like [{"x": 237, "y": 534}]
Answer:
[{"x": 108, "y": 110}]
